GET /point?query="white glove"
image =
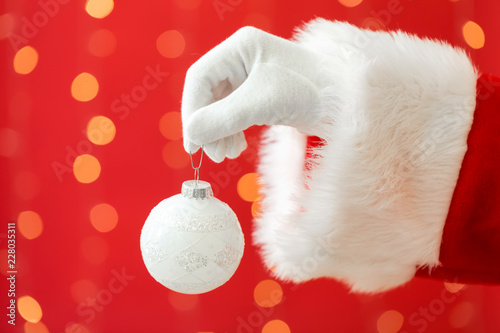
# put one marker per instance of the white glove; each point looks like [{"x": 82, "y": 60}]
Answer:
[{"x": 252, "y": 78}]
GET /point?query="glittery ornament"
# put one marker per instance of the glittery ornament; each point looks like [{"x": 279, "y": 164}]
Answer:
[{"x": 192, "y": 242}]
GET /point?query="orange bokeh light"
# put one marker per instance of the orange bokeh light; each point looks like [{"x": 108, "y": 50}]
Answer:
[
  {"x": 268, "y": 293},
  {"x": 248, "y": 187},
  {"x": 390, "y": 322},
  {"x": 84, "y": 87},
  {"x": 30, "y": 224},
  {"x": 473, "y": 35},
  {"x": 171, "y": 44},
  {"x": 29, "y": 309},
  {"x": 25, "y": 60},
  {"x": 99, "y": 8},
  {"x": 86, "y": 168},
  {"x": 276, "y": 326},
  {"x": 101, "y": 130},
  {"x": 257, "y": 208},
  {"x": 350, "y": 3},
  {"x": 453, "y": 287},
  {"x": 171, "y": 125},
  {"x": 35, "y": 328},
  {"x": 103, "y": 217},
  {"x": 102, "y": 43}
]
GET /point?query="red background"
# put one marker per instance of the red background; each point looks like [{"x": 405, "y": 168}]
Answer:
[{"x": 134, "y": 177}]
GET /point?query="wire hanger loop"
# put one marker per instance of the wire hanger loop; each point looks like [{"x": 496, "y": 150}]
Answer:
[{"x": 196, "y": 169}]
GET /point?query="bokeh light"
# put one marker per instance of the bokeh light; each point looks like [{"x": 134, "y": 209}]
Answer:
[
  {"x": 25, "y": 60},
  {"x": 171, "y": 125},
  {"x": 29, "y": 224},
  {"x": 99, "y": 8},
  {"x": 82, "y": 289},
  {"x": 101, "y": 130},
  {"x": 103, "y": 217},
  {"x": 26, "y": 185},
  {"x": 9, "y": 142},
  {"x": 350, "y": 3},
  {"x": 29, "y": 309},
  {"x": 276, "y": 326},
  {"x": 35, "y": 328},
  {"x": 6, "y": 25},
  {"x": 102, "y": 43},
  {"x": 171, "y": 44},
  {"x": 390, "y": 322},
  {"x": 183, "y": 302},
  {"x": 473, "y": 35},
  {"x": 257, "y": 208},
  {"x": 453, "y": 287},
  {"x": 84, "y": 87},
  {"x": 461, "y": 314},
  {"x": 174, "y": 155},
  {"x": 86, "y": 168},
  {"x": 248, "y": 187},
  {"x": 94, "y": 249},
  {"x": 267, "y": 293}
]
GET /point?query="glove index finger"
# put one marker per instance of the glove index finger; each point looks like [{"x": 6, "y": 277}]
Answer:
[{"x": 207, "y": 79}]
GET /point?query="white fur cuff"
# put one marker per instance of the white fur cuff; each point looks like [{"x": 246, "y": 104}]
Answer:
[{"x": 373, "y": 206}]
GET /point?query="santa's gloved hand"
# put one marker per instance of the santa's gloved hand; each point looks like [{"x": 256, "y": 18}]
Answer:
[{"x": 252, "y": 78}]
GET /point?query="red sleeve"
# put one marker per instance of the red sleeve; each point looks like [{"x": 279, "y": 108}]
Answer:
[{"x": 470, "y": 248}]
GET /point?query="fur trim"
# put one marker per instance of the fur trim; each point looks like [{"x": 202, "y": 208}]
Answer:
[{"x": 372, "y": 208}]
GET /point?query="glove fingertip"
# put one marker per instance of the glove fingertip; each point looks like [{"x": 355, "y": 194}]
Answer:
[
  {"x": 190, "y": 147},
  {"x": 242, "y": 142},
  {"x": 196, "y": 128},
  {"x": 216, "y": 151}
]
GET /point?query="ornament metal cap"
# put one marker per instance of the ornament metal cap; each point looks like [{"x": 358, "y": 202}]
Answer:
[{"x": 196, "y": 189}]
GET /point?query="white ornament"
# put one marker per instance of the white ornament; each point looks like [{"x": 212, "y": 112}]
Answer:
[{"x": 192, "y": 242}]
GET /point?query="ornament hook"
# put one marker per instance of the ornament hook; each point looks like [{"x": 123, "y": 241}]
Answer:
[{"x": 196, "y": 169}]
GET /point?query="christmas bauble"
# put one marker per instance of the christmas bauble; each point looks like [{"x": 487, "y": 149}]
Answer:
[{"x": 192, "y": 242}]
